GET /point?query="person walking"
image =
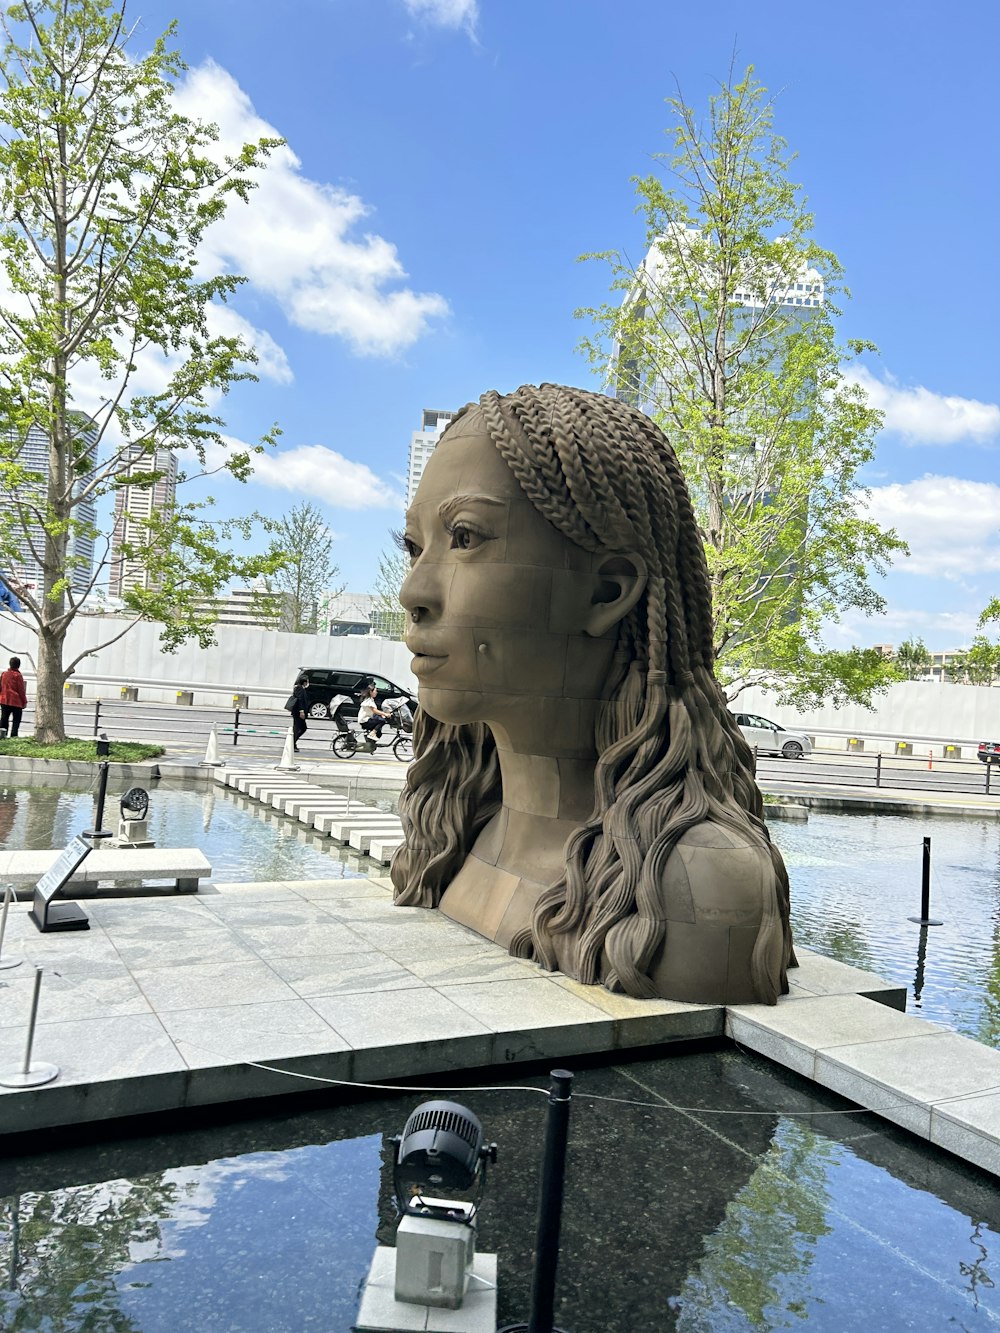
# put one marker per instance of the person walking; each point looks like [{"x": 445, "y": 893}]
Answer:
[
  {"x": 13, "y": 698},
  {"x": 299, "y": 710}
]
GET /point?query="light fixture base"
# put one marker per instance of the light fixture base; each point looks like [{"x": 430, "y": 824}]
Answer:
[{"x": 380, "y": 1310}]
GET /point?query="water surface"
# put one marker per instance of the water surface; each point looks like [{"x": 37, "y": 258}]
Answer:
[{"x": 855, "y": 881}]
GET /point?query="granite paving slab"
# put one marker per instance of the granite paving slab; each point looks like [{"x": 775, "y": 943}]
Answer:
[
  {"x": 906, "y": 1069},
  {"x": 265, "y": 1031}
]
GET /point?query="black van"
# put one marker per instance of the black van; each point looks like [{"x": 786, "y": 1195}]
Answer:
[{"x": 325, "y": 683}]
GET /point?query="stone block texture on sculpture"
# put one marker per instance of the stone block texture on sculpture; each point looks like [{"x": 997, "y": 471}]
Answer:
[{"x": 580, "y": 792}]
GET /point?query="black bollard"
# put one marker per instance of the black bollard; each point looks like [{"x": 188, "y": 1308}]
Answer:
[
  {"x": 103, "y": 750},
  {"x": 543, "y": 1277},
  {"x": 925, "y": 919}
]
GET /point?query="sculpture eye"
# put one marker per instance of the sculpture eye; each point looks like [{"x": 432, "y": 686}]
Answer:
[
  {"x": 410, "y": 548},
  {"x": 465, "y": 537}
]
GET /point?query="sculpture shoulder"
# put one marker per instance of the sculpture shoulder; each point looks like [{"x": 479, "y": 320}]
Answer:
[{"x": 715, "y": 875}]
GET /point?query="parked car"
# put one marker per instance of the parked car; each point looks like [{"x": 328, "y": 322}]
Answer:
[
  {"x": 770, "y": 738},
  {"x": 989, "y": 752},
  {"x": 325, "y": 683}
]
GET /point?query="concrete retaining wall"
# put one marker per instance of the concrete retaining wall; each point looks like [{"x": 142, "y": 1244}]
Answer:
[
  {"x": 257, "y": 662},
  {"x": 912, "y": 710}
]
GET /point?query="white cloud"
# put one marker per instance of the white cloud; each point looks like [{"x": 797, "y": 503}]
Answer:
[
  {"x": 952, "y": 525},
  {"x": 446, "y": 13},
  {"x": 924, "y": 417},
  {"x": 323, "y": 474},
  {"x": 297, "y": 239},
  {"x": 271, "y": 363},
  {"x": 940, "y": 630}
]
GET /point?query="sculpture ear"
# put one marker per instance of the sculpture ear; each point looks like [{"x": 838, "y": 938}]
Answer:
[{"x": 619, "y": 582}]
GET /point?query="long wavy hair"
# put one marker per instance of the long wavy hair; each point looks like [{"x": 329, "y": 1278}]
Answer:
[{"x": 669, "y": 753}]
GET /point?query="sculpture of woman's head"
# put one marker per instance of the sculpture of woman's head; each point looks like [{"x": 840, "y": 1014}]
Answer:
[{"x": 558, "y": 572}]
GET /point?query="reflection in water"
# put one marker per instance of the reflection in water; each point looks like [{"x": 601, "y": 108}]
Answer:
[
  {"x": 673, "y": 1219},
  {"x": 8, "y": 813},
  {"x": 759, "y": 1260},
  {"x": 918, "y": 976}
]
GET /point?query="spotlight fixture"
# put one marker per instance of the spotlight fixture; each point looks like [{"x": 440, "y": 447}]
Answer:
[
  {"x": 439, "y": 1155},
  {"x": 134, "y": 804}
]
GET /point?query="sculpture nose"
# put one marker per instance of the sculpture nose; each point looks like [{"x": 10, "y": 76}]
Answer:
[{"x": 419, "y": 594}]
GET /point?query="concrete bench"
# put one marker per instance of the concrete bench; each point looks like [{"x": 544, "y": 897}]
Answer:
[{"x": 184, "y": 866}]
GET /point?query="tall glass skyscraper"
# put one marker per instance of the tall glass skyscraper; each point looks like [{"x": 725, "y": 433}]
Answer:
[
  {"x": 133, "y": 504},
  {"x": 26, "y": 567}
]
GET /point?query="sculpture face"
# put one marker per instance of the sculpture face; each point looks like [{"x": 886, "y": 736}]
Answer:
[{"x": 498, "y": 600}]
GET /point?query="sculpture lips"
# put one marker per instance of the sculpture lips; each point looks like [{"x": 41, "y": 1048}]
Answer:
[{"x": 425, "y": 661}]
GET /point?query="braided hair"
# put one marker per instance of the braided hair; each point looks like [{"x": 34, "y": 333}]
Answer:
[{"x": 669, "y": 753}]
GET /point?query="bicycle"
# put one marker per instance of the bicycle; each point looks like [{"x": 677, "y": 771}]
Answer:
[{"x": 351, "y": 739}]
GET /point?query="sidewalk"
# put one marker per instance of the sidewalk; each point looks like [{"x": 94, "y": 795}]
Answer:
[{"x": 881, "y": 800}]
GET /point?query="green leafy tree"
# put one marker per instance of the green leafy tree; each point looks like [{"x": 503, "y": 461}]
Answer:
[
  {"x": 725, "y": 333},
  {"x": 106, "y": 193},
  {"x": 388, "y": 617},
  {"x": 978, "y": 665},
  {"x": 301, "y": 551},
  {"x": 911, "y": 659}
]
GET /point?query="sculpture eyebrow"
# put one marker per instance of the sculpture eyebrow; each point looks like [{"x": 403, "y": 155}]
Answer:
[{"x": 448, "y": 508}]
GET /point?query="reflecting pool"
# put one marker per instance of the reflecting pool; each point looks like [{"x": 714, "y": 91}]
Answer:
[
  {"x": 717, "y": 1193},
  {"x": 242, "y": 839},
  {"x": 855, "y": 881}
]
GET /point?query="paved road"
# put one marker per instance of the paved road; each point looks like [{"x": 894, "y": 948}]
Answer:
[
  {"x": 260, "y": 736},
  {"x": 184, "y": 730}
]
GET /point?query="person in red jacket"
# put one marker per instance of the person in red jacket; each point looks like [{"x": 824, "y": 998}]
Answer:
[{"x": 13, "y": 698}]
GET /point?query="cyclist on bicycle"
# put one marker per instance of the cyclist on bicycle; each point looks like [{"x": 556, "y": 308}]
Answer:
[{"x": 371, "y": 717}]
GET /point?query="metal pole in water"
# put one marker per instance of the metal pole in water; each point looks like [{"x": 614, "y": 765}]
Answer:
[
  {"x": 543, "y": 1276},
  {"x": 543, "y": 1281},
  {"x": 925, "y": 919}
]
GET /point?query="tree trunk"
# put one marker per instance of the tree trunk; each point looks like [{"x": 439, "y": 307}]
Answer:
[{"x": 49, "y": 726}]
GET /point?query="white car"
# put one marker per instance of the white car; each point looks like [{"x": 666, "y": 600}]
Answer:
[{"x": 769, "y": 738}]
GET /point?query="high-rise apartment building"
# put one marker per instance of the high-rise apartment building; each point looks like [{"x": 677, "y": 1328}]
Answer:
[
  {"x": 133, "y": 505},
  {"x": 754, "y": 295},
  {"x": 26, "y": 566},
  {"x": 422, "y": 444}
]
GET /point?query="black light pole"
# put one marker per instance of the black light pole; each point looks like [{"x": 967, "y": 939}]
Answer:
[{"x": 543, "y": 1277}]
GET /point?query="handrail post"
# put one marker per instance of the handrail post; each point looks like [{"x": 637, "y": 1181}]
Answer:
[
  {"x": 236, "y": 726},
  {"x": 97, "y": 716},
  {"x": 543, "y": 1283},
  {"x": 878, "y": 769}
]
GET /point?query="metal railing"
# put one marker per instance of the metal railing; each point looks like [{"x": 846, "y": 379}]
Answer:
[{"x": 967, "y": 777}]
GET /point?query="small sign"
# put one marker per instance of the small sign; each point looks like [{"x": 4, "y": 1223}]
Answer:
[{"x": 60, "y": 916}]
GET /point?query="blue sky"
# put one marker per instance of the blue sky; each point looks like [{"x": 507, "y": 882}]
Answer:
[{"x": 448, "y": 160}]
